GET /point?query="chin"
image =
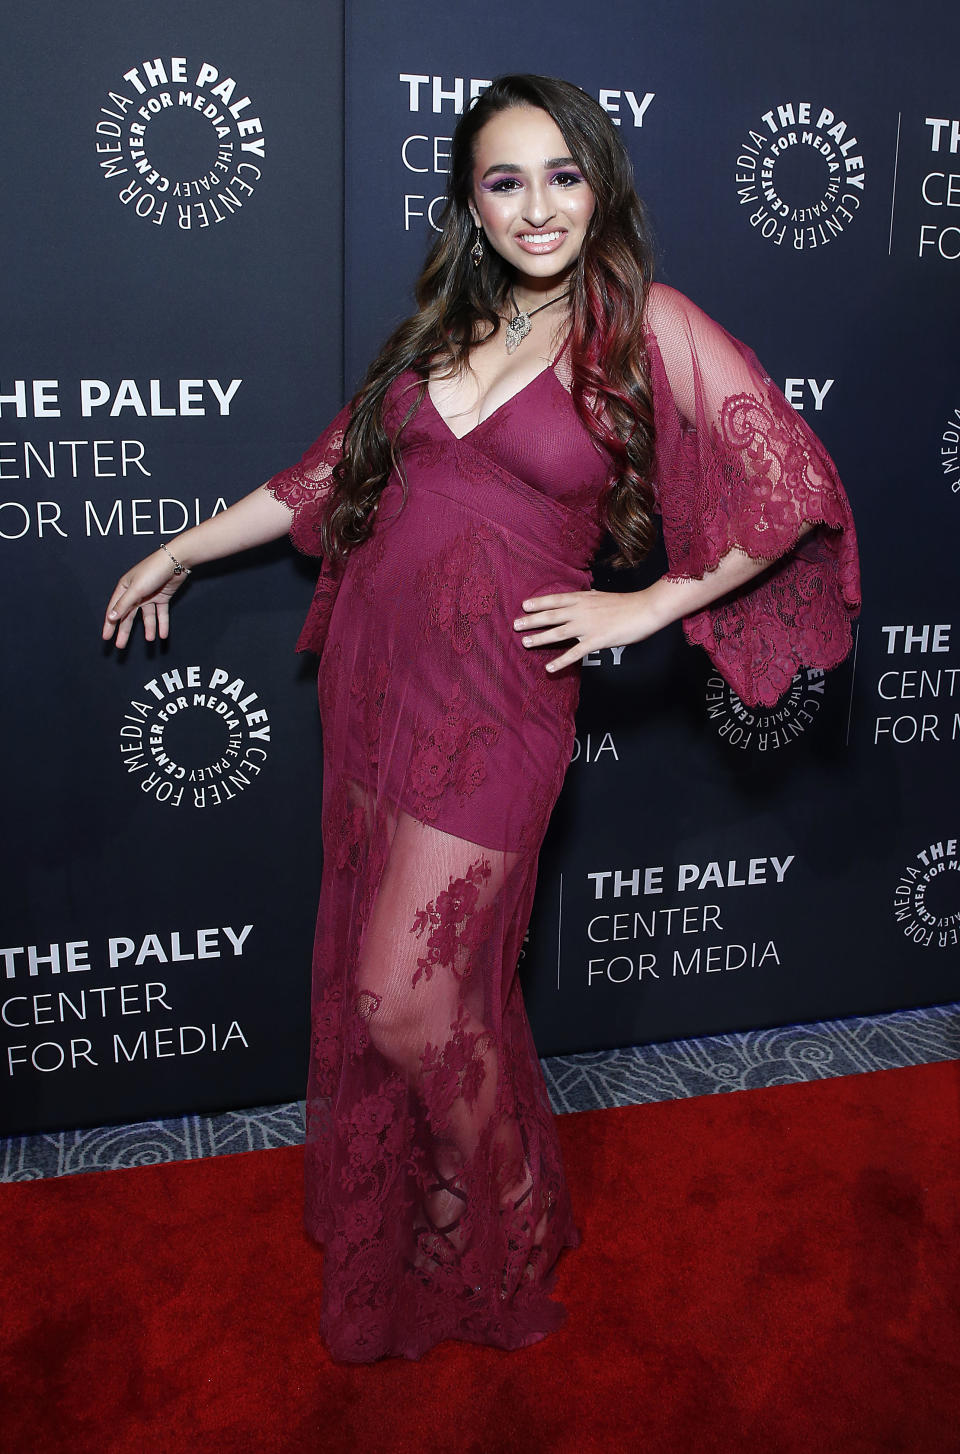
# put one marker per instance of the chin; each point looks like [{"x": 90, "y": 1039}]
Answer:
[{"x": 546, "y": 265}]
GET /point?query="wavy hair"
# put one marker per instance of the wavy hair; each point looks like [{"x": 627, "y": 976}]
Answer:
[{"x": 608, "y": 292}]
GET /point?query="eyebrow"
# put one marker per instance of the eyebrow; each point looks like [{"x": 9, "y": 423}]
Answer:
[{"x": 550, "y": 162}]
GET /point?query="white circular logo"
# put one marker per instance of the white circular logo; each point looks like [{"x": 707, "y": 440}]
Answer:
[
  {"x": 181, "y": 143},
  {"x": 195, "y": 738},
  {"x": 926, "y": 901},
  {"x": 801, "y": 174},
  {"x": 765, "y": 729}
]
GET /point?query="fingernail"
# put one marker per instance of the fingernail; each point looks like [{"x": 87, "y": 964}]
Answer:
[
  {"x": 113, "y": 615},
  {"x": 551, "y": 666},
  {"x": 518, "y": 625},
  {"x": 526, "y": 641},
  {"x": 527, "y": 605}
]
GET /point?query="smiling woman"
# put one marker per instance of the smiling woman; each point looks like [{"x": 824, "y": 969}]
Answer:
[{"x": 546, "y": 393}]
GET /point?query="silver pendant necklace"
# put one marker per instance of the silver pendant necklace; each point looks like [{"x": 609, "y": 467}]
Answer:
[{"x": 519, "y": 326}]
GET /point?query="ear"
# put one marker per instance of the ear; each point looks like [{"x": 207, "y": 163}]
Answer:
[{"x": 474, "y": 213}]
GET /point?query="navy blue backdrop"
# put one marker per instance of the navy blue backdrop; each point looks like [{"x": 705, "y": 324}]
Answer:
[{"x": 213, "y": 217}]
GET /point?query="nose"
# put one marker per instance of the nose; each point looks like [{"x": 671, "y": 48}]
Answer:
[{"x": 538, "y": 208}]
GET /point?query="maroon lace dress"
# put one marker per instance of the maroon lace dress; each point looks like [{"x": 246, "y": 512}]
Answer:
[{"x": 433, "y": 1173}]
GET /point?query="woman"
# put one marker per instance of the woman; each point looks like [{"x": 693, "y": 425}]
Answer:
[{"x": 544, "y": 392}]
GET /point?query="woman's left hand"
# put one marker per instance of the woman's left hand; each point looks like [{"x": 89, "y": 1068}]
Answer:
[{"x": 594, "y": 618}]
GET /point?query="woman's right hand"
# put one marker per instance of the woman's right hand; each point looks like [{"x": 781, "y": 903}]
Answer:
[{"x": 147, "y": 588}]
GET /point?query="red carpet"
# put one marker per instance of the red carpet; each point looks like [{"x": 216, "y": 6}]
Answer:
[{"x": 772, "y": 1270}]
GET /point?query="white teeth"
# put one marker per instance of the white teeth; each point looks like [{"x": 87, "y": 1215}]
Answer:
[{"x": 539, "y": 236}]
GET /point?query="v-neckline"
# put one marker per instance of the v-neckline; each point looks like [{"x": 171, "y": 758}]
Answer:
[{"x": 550, "y": 368}]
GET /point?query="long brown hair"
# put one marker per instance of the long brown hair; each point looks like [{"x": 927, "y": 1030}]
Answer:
[{"x": 608, "y": 291}]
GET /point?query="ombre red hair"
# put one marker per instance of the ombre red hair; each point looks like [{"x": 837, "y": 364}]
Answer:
[{"x": 608, "y": 293}]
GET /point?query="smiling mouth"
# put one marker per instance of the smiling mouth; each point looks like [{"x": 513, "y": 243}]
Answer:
[{"x": 540, "y": 236}]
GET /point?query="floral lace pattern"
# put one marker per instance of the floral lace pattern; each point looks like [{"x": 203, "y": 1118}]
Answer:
[
  {"x": 740, "y": 467},
  {"x": 450, "y": 758},
  {"x": 454, "y": 1071},
  {"x": 305, "y": 486},
  {"x": 458, "y": 588},
  {"x": 754, "y": 484},
  {"x": 313, "y": 636},
  {"x": 457, "y": 929},
  {"x": 365, "y": 563},
  {"x": 347, "y": 832},
  {"x": 757, "y": 487},
  {"x": 368, "y": 692}
]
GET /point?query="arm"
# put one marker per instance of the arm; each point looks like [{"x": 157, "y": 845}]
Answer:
[
  {"x": 617, "y": 618},
  {"x": 289, "y": 503},
  {"x": 736, "y": 465},
  {"x": 148, "y": 586},
  {"x": 760, "y": 542}
]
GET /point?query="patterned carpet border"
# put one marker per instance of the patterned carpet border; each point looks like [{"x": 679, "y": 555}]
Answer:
[{"x": 670, "y": 1070}]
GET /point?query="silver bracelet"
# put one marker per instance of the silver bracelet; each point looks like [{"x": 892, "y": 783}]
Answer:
[{"x": 178, "y": 568}]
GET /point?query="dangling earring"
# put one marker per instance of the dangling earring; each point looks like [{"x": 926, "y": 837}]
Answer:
[{"x": 476, "y": 252}]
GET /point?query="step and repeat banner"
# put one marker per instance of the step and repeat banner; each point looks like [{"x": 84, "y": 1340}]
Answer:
[
  {"x": 213, "y": 218},
  {"x": 172, "y": 289}
]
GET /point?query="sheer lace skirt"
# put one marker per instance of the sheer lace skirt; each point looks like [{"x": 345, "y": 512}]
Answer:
[{"x": 434, "y": 1177}]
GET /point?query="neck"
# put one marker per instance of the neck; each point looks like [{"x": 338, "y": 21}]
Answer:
[
  {"x": 531, "y": 292},
  {"x": 531, "y": 305}
]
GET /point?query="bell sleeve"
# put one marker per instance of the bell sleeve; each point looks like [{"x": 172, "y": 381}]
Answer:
[
  {"x": 736, "y": 465},
  {"x": 305, "y": 487}
]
